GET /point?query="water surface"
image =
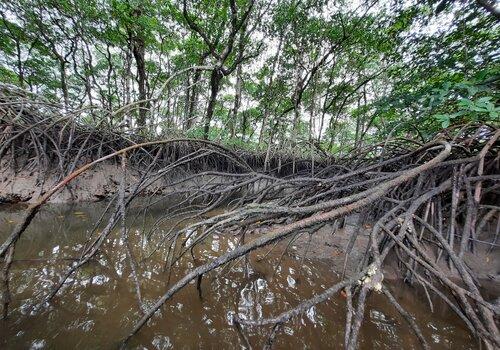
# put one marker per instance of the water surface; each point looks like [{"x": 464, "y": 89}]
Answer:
[{"x": 99, "y": 306}]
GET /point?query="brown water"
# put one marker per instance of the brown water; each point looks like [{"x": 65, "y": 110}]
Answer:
[{"x": 99, "y": 307}]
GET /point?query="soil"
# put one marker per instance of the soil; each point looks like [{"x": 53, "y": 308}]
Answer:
[
  {"x": 332, "y": 247},
  {"x": 96, "y": 184}
]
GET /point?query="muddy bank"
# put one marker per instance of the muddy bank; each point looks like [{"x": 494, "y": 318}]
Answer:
[
  {"x": 102, "y": 182},
  {"x": 96, "y": 184},
  {"x": 331, "y": 244},
  {"x": 27, "y": 185}
]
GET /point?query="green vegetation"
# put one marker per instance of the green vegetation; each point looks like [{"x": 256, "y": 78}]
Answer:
[{"x": 272, "y": 74}]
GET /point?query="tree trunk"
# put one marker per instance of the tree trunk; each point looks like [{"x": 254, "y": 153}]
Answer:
[
  {"x": 312, "y": 117},
  {"x": 187, "y": 99},
  {"x": 267, "y": 98},
  {"x": 358, "y": 128},
  {"x": 138, "y": 51},
  {"x": 237, "y": 102},
  {"x": 64, "y": 85},
  {"x": 193, "y": 102},
  {"x": 296, "y": 102},
  {"x": 244, "y": 126},
  {"x": 215, "y": 79},
  {"x": 20, "y": 64}
]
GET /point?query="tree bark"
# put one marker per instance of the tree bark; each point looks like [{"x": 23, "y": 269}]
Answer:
[
  {"x": 215, "y": 79},
  {"x": 237, "y": 102},
  {"x": 187, "y": 99},
  {"x": 138, "y": 50},
  {"x": 193, "y": 102},
  {"x": 64, "y": 85}
]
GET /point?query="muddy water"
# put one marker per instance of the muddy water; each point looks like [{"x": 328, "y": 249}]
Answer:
[{"x": 99, "y": 307}]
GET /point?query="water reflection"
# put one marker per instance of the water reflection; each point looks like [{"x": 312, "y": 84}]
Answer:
[{"x": 98, "y": 305}]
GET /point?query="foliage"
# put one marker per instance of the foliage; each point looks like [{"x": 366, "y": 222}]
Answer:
[
  {"x": 466, "y": 102},
  {"x": 290, "y": 72}
]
